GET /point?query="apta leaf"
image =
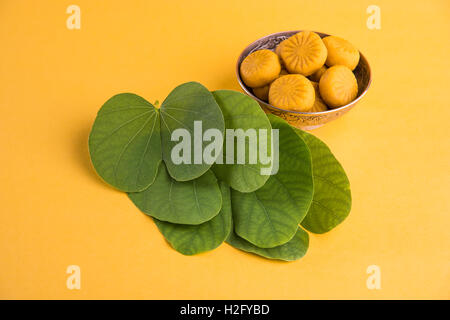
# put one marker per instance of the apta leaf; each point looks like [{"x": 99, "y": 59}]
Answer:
[
  {"x": 292, "y": 250},
  {"x": 187, "y": 103},
  {"x": 242, "y": 112},
  {"x": 125, "y": 142},
  {"x": 269, "y": 216},
  {"x": 193, "y": 239},
  {"x": 184, "y": 202},
  {"x": 332, "y": 199}
]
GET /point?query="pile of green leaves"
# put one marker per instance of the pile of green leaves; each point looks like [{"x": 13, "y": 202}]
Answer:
[{"x": 197, "y": 207}]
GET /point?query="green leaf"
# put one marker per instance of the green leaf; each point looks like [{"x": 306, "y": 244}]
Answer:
[
  {"x": 332, "y": 199},
  {"x": 189, "y": 202},
  {"x": 125, "y": 142},
  {"x": 242, "y": 112},
  {"x": 187, "y": 103},
  {"x": 292, "y": 250},
  {"x": 193, "y": 239},
  {"x": 269, "y": 216}
]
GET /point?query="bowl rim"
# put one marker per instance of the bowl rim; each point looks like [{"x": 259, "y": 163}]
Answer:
[{"x": 283, "y": 33}]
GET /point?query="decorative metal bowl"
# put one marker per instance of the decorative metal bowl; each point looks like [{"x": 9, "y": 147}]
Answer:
[{"x": 304, "y": 120}]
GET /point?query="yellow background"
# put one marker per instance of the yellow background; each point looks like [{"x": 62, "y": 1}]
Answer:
[{"x": 55, "y": 211}]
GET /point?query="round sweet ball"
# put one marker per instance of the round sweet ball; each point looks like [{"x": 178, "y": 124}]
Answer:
[
  {"x": 319, "y": 105},
  {"x": 303, "y": 53},
  {"x": 262, "y": 92},
  {"x": 316, "y": 75},
  {"x": 292, "y": 92},
  {"x": 260, "y": 68},
  {"x": 341, "y": 52},
  {"x": 338, "y": 86}
]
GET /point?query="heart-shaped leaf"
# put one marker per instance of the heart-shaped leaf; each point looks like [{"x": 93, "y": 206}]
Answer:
[
  {"x": 269, "y": 216},
  {"x": 186, "y": 104},
  {"x": 125, "y": 142},
  {"x": 332, "y": 199},
  {"x": 292, "y": 250},
  {"x": 242, "y": 112},
  {"x": 193, "y": 239},
  {"x": 184, "y": 202}
]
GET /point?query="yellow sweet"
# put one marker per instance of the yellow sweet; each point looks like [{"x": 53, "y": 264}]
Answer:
[
  {"x": 303, "y": 53},
  {"x": 319, "y": 105},
  {"x": 316, "y": 75},
  {"x": 338, "y": 86},
  {"x": 341, "y": 52},
  {"x": 262, "y": 92},
  {"x": 260, "y": 68},
  {"x": 292, "y": 92}
]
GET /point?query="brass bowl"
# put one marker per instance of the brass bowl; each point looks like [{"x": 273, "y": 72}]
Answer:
[{"x": 304, "y": 120}]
